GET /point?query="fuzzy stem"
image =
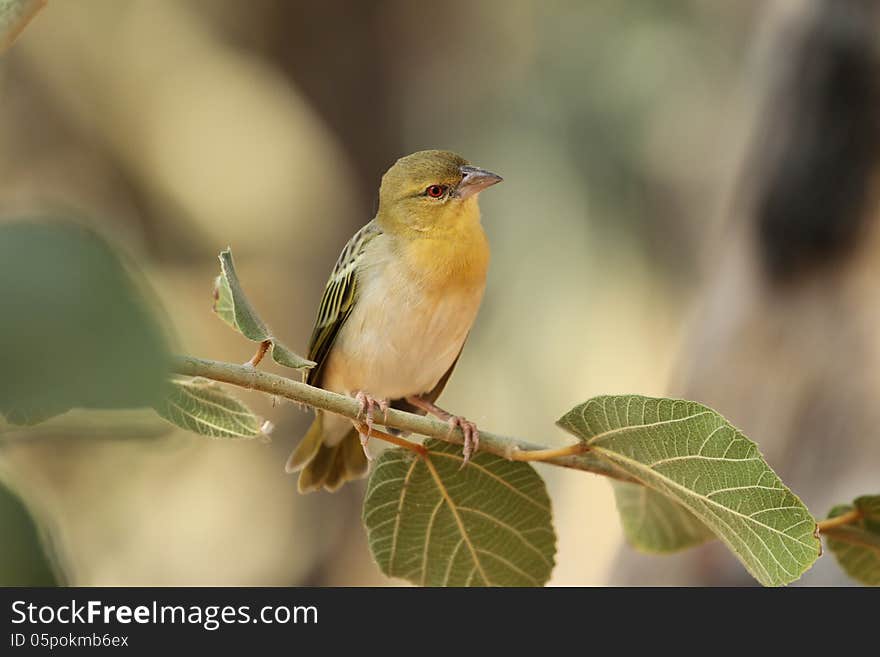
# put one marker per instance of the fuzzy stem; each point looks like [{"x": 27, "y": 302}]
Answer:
[{"x": 261, "y": 351}]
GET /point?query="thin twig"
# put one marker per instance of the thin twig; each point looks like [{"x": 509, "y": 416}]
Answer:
[
  {"x": 261, "y": 351},
  {"x": 509, "y": 448},
  {"x": 388, "y": 438},
  {"x": 14, "y": 17},
  {"x": 545, "y": 454},
  {"x": 844, "y": 519}
]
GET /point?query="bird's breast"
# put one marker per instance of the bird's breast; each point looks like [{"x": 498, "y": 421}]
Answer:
[{"x": 407, "y": 327}]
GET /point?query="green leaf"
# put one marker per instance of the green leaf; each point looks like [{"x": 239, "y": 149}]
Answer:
[
  {"x": 284, "y": 356},
  {"x": 697, "y": 459},
  {"x": 434, "y": 523},
  {"x": 14, "y": 16},
  {"x": 652, "y": 522},
  {"x": 204, "y": 407},
  {"x": 233, "y": 307},
  {"x": 77, "y": 329},
  {"x": 25, "y": 559},
  {"x": 856, "y": 545}
]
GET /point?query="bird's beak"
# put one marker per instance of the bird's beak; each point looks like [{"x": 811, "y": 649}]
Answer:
[{"x": 474, "y": 180}]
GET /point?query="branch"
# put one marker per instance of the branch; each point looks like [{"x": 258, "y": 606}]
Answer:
[{"x": 573, "y": 456}]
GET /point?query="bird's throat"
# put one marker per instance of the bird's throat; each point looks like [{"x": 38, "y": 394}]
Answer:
[{"x": 450, "y": 260}]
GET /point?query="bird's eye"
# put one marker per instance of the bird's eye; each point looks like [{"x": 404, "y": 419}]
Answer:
[{"x": 436, "y": 191}]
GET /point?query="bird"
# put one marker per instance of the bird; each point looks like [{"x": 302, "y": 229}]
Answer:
[{"x": 397, "y": 310}]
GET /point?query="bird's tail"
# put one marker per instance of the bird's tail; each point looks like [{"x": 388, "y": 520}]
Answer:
[{"x": 323, "y": 465}]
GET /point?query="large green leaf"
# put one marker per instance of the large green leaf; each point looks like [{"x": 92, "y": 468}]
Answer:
[
  {"x": 77, "y": 329},
  {"x": 14, "y": 16},
  {"x": 204, "y": 407},
  {"x": 652, "y": 522},
  {"x": 24, "y": 559},
  {"x": 856, "y": 545},
  {"x": 692, "y": 455},
  {"x": 234, "y": 308},
  {"x": 435, "y": 523}
]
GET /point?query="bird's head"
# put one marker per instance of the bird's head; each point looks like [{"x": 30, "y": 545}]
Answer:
[{"x": 432, "y": 191}]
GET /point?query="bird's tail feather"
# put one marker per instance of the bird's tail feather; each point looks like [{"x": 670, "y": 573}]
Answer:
[{"x": 324, "y": 466}]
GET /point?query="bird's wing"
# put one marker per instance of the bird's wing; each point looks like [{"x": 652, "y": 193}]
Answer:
[{"x": 338, "y": 299}]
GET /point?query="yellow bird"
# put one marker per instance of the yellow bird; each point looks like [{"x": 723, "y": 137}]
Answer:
[{"x": 397, "y": 309}]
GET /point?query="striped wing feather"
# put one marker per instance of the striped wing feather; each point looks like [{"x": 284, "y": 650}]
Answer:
[{"x": 339, "y": 298}]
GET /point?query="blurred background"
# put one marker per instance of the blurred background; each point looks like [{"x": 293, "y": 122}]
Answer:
[{"x": 688, "y": 209}]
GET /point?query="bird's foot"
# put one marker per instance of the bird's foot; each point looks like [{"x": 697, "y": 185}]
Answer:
[
  {"x": 368, "y": 406},
  {"x": 468, "y": 429},
  {"x": 471, "y": 435}
]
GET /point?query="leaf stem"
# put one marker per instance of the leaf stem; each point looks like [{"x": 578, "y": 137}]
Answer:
[
  {"x": 247, "y": 376},
  {"x": 261, "y": 351},
  {"x": 544, "y": 454},
  {"x": 847, "y": 518},
  {"x": 14, "y": 17},
  {"x": 387, "y": 437}
]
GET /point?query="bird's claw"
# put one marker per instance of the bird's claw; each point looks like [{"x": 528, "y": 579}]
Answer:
[
  {"x": 471, "y": 436},
  {"x": 368, "y": 405},
  {"x": 364, "y": 438}
]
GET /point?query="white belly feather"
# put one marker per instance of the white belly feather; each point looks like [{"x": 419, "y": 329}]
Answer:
[{"x": 398, "y": 340}]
